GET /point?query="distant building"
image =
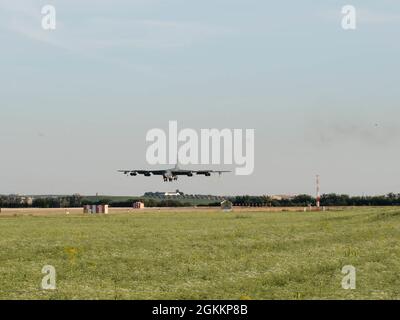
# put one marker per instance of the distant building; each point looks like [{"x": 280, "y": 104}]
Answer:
[
  {"x": 28, "y": 201},
  {"x": 282, "y": 197},
  {"x": 175, "y": 193},
  {"x": 101, "y": 208},
  {"x": 226, "y": 205},
  {"x": 138, "y": 205}
]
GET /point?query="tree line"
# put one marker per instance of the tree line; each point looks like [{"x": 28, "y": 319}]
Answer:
[
  {"x": 331, "y": 199},
  {"x": 302, "y": 200}
]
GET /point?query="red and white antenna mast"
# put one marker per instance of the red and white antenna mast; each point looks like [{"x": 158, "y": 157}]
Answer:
[{"x": 318, "y": 197}]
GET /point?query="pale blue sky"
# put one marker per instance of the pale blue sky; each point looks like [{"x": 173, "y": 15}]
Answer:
[{"x": 321, "y": 99}]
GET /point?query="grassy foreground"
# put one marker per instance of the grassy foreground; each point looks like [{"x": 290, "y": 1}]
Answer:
[{"x": 203, "y": 255}]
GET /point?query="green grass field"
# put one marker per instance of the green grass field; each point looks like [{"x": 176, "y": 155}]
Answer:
[{"x": 203, "y": 255}]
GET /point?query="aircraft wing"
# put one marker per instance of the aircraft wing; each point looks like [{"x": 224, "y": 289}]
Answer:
[
  {"x": 207, "y": 172},
  {"x": 175, "y": 172},
  {"x": 144, "y": 172},
  {"x": 179, "y": 172}
]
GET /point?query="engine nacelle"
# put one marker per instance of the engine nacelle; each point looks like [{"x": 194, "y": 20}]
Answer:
[
  {"x": 208, "y": 174},
  {"x": 133, "y": 174}
]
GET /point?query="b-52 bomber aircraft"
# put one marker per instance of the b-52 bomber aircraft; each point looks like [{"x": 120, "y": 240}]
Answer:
[{"x": 171, "y": 174}]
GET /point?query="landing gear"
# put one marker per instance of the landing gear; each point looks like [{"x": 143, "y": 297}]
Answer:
[{"x": 170, "y": 179}]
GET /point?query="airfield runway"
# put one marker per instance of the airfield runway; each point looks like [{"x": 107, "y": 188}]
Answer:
[{"x": 79, "y": 211}]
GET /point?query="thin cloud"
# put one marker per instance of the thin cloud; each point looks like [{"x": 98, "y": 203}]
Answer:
[
  {"x": 327, "y": 134},
  {"x": 374, "y": 17},
  {"x": 93, "y": 33},
  {"x": 96, "y": 37}
]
